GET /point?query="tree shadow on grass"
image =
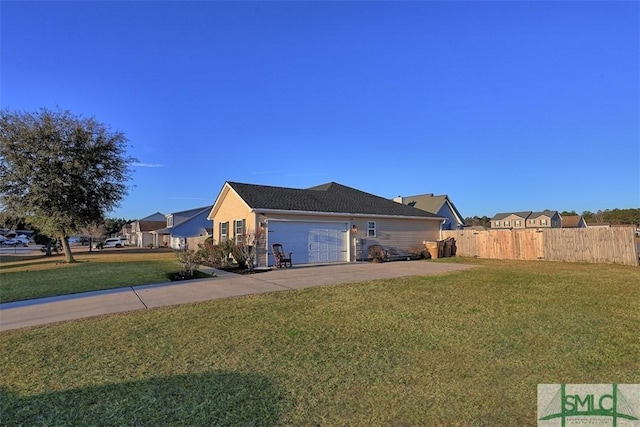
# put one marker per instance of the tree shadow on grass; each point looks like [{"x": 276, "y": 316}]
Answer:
[
  {"x": 36, "y": 262},
  {"x": 209, "y": 399}
]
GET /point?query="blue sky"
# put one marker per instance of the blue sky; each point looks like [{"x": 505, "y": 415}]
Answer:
[{"x": 504, "y": 106}]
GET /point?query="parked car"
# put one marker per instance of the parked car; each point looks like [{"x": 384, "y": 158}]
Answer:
[
  {"x": 23, "y": 240},
  {"x": 10, "y": 242},
  {"x": 55, "y": 247},
  {"x": 77, "y": 241},
  {"x": 113, "y": 242}
]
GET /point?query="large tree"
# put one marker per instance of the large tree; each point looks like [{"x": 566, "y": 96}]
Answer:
[{"x": 61, "y": 170}]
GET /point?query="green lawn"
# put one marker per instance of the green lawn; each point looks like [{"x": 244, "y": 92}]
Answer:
[
  {"x": 465, "y": 348},
  {"x": 36, "y": 277}
]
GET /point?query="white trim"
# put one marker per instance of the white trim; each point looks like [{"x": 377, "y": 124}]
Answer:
[
  {"x": 235, "y": 229},
  {"x": 454, "y": 212},
  {"x": 226, "y": 236},
  {"x": 375, "y": 229},
  {"x": 223, "y": 194}
]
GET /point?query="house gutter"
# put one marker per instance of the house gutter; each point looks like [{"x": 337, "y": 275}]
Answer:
[{"x": 341, "y": 214}]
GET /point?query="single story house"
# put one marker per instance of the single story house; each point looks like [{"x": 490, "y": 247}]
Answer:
[
  {"x": 141, "y": 230},
  {"x": 181, "y": 227},
  {"x": 327, "y": 223},
  {"x": 438, "y": 205}
]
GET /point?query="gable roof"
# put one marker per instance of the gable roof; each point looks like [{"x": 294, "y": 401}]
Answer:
[
  {"x": 188, "y": 223},
  {"x": 149, "y": 223},
  {"x": 499, "y": 216},
  {"x": 545, "y": 212},
  {"x": 182, "y": 216},
  {"x": 430, "y": 203},
  {"x": 571, "y": 221},
  {"x": 326, "y": 198},
  {"x": 158, "y": 216}
]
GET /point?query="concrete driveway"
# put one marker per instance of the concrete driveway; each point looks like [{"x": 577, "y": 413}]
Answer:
[{"x": 226, "y": 285}]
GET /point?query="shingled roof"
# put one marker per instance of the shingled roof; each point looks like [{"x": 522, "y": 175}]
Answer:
[
  {"x": 330, "y": 198},
  {"x": 502, "y": 215},
  {"x": 430, "y": 203},
  {"x": 571, "y": 221},
  {"x": 545, "y": 212}
]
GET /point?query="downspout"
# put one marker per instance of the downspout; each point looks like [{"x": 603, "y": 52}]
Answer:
[
  {"x": 266, "y": 242},
  {"x": 442, "y": 225}
]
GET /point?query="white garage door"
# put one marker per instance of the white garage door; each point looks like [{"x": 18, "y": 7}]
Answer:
[{"x": 310, "y": 242}]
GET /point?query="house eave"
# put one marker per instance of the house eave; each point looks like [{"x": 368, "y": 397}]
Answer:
[{"x": 341, "y": 214}]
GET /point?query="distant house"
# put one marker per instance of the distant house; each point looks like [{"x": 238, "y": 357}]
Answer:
[
  {"x": 438, "y": 205},
  {"x": 573, "y": 221},
  {"x": 126, "y": 232},
  {"x": 180, "y": 226},
  {"x": 141, "y": 230},
  {"x": 510, "y": 220},
  {"x": 544, "y": 219},
  {"x": 526, "y": 219},
  {"x": 12, "y": 234}
]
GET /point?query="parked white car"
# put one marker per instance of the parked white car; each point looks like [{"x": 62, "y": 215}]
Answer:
[
  {"x": 23, "y": 240},
  {"x": 113, "y": 242}
]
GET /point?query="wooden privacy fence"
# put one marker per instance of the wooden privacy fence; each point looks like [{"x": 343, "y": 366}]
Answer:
[{"x": 615, "y": 245}]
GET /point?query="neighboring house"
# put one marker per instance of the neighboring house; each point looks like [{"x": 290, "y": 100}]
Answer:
[
  {"x": 437, "y": 205},
  {"x": 184, "y": 225},
  {"x": 322, "y": 224},
  {"x": 573, "y": 221},
  {"x": 544, "y": 219},
  {"x": 127, "y": 233},
  {"x": 141, "y": 230},
  {"x": 526, "y": 219},
  {"x": 12, "y": 234},
  {"x": 510, "y": 220}
]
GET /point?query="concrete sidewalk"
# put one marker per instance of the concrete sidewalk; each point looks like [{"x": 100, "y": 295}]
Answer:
[{"x": 226, "y": 285}]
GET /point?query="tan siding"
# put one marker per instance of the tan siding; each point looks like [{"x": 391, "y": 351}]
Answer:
[
  {"x": 512, "y": 222},
  {"x": 232, "y": 208},
  {"x": 401, "y": 234}
]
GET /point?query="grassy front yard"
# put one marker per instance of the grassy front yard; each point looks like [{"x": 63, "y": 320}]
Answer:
[
  {"x": 466, "y": 348},
  {"x": 36, "y": 277}
]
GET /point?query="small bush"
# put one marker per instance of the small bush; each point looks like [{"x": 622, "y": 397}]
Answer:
[
  {"x": 189, "y": 260},
  {"x": 215, "y": 255},
  {"x": 237, "y": 252}
]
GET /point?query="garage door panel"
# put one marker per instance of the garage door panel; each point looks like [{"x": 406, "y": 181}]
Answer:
[{"x": 311, "y": 242}]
